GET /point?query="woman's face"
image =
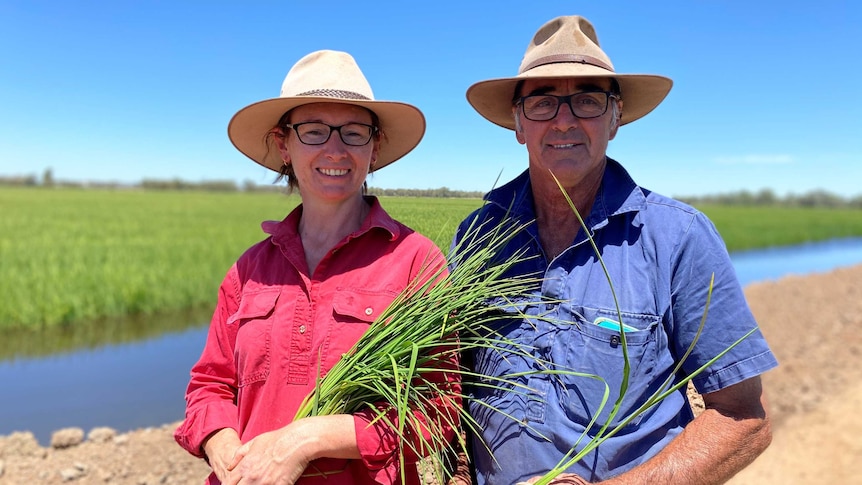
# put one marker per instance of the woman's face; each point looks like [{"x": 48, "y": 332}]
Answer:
[{"x": 333, "y": 171}]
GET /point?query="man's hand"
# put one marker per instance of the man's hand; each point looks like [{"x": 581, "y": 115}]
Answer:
[
  {"x": 562, "y": 479},
  {"x": 728, "y": 435}
]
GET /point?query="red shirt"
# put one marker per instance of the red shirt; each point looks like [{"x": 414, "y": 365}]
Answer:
[{"x": 272, "y": 322}]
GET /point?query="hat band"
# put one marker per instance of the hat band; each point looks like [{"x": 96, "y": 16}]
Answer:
[
  {"x": 334, "y": 93},
  {"x": 557, "y": 58}
]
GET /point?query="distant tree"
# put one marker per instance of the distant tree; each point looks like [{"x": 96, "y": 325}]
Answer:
[
  {"x": 819, "y": 198},
  {"x": 48, "y": 177},
  {"x": 765, "y": 197}
]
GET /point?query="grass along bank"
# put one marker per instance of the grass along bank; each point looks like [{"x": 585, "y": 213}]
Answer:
[{"x": 68, "y": 255}]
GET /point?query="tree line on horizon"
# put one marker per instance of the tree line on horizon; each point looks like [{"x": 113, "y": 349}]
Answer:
[{"x": 763, "y": 197}]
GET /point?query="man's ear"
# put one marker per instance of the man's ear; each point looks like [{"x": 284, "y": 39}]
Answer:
[
  {"x": 519, "y": 131},
  {"x": 616, "y": 120}
]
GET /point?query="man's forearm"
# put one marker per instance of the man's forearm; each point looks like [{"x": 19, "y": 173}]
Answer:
[{"x": 720, "y": 442}]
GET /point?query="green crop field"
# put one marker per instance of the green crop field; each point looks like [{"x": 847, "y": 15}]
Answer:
[
  {"x": 70, "y": 254},
  {"x": 759, "y": 226}
]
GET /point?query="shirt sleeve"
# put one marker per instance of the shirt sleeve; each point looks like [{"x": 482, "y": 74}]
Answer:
[
  {"x": 212, "y": 389},
  {"x": 702, "y": 255}
]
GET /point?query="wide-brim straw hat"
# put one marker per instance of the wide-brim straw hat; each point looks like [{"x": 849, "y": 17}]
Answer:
[
  {"x": 325, "y": 77},
  {"x": 567, "y": 47}
]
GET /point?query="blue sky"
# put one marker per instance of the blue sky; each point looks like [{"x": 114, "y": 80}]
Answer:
[{"x": 766, "y": 94}]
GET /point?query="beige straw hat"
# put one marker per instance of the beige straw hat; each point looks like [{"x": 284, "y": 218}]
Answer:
[
  {"x": 567, "y": 47},
  {"x": 331, "y": 77}
]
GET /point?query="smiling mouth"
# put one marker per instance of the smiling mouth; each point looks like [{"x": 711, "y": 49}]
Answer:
[
  {"x": 333, "y": 172},
  {"x": 563, "y": 146}
]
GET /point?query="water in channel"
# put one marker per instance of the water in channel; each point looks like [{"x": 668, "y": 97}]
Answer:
[{"x": 138, "y": 380}]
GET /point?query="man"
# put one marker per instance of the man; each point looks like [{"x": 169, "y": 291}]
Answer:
[{"x": 565, "y": 105}]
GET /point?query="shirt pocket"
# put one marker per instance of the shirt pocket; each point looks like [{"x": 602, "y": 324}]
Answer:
[
  {"x": 353, "y": 312},
  {"x": 254, "y": 320},
  {"x": 591, "y": 349}
]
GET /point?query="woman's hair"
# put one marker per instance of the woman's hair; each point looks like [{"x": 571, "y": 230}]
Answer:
[{"x": 286, "y": 170}]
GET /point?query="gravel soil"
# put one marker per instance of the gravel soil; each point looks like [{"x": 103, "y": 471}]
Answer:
[{"x": 813, "y": 323}]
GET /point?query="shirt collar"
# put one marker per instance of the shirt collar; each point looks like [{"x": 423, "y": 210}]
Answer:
[
  {"x": 618, "y": 194},
  {"x": 287, "y": 229}
]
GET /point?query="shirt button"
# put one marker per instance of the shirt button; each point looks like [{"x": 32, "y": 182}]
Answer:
[
  {"x": 369, "y": 311},
  {"x": 302, "y": 329}
]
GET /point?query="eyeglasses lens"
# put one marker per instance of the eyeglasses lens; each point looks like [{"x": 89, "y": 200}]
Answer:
[
  {"x": 353, "y": 134},
  {"x": 544, "y": 107}
]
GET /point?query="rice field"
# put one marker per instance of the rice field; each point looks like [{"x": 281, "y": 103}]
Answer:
[
  {"x": 760, "y": 226},
  {"x": 70, "y": 254}
]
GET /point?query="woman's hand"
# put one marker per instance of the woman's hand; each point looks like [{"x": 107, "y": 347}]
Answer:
[
  {"x": 280, "y": 457},
  {"x": 220, "y": 449},
  {"x": 276, "y": 457}
]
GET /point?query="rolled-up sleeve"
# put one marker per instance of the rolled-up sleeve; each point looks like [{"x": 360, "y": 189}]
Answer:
[{"x": 212, "y": 389}]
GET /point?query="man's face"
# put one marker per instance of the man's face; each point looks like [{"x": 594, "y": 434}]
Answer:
[{"x": 572, "y": 148}]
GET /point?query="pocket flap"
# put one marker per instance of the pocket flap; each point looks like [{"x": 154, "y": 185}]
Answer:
[
  {"x": 361, "y": 305},
  {"x": 255, "y": 304}
]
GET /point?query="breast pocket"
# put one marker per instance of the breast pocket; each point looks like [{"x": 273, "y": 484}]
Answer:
[
  {"x": 254, "y": 320},
  {"x": 353, "y": 312},
  {"x": 596, "y": 350}
]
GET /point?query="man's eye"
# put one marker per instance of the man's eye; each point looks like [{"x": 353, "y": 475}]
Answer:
[{"x": 543, "y": 103}]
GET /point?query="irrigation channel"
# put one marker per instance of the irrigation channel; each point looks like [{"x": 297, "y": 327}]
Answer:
[{"x": 141, "y": 383}]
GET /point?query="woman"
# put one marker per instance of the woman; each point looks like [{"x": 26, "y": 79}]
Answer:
[{"x": 295, "y": 302}]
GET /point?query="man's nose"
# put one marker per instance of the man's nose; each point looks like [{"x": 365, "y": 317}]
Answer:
[{"x": 566, "y": 114}]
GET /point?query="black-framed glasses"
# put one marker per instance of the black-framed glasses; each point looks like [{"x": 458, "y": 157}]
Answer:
[
  {"x": 544, "y": 107},
  {"x": 317, "y": 133}
]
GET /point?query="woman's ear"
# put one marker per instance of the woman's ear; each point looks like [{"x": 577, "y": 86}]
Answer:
[
  {"x": 375, "y": 152},
  {"x": 278, "y": 136}
]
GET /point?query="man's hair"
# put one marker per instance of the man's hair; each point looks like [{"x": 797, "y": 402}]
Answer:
[{"x": 615, "y": 89}]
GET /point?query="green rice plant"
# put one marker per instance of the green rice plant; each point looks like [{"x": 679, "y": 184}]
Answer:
[
  {"x": 436, "y": 218},
  {"x": 386, "y": 368},
  {"x": 575, "y": 455},
  {"x": 752, "y": 227},
  {"x": 68, "y": 256},
  {"x": 421, "y": 331},
  {"x": 667, "y": 388},
  {"x": 77, "y": 255}
]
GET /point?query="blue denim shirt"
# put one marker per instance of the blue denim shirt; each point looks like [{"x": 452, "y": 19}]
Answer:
[{"x": 660, "y": 254}]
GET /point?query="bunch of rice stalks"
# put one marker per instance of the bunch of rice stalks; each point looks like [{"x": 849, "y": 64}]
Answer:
[{"x": 395, "y": 368}]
